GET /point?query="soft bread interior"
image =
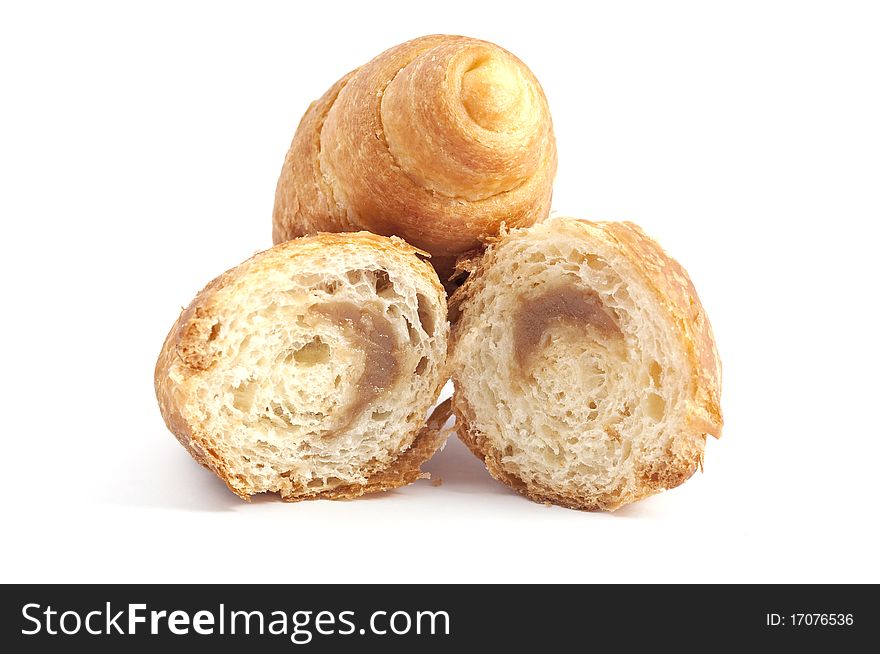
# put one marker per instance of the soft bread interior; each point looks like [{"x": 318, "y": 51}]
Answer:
[
  {"x": 568, "y": 371},
  {"x": 324, "y": 365}
]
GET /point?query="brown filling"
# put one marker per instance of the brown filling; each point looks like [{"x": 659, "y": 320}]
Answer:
[
  {"x": 373, "y": 334},
  {"x": 568, "y": 305}
]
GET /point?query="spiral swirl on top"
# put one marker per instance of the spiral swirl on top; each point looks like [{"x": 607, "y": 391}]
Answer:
[{"x": 438, "y": 140}]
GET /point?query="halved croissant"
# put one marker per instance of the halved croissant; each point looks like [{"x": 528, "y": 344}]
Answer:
[
  {"x": 437, "y": 140},
  {"x": 585, "y": 369},
  {"x": 308, "y": 369}
]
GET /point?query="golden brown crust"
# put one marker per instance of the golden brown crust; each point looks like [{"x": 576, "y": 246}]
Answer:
[
  {"x": 673, "y": 287},
  {"x": 405, "y": 469},
  {"x": 674, "y": 290},
  {"x": 190, "y": 344},
  {"x": 311, "y": 201},
  {"x": 672, "y": 471},
  {"x": 483, "y": 449},
  {"x": 437, "y": 140}
]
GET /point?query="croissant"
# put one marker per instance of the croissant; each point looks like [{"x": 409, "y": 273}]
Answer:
[
  {"x": 437, "y": 141},
  {"x": 585, "y": 369},
  {"x": 308, "y": 369}
]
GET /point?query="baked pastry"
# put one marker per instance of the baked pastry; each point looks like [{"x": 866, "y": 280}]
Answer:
[
  {"x": 585, "y": 369},
  {"x": 437, "y": 140},
  {"x": 308, "y": 369}
]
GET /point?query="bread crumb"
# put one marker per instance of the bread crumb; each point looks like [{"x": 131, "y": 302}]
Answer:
[{"x": 437, "y": 481}]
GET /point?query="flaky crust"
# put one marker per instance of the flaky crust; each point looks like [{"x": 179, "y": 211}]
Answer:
[
  {"x": 437, "y": 140},
  {"x": 407, "y": 467},
  {"x": 189, "y": 347},
  {"x": 675, "y": 292}
]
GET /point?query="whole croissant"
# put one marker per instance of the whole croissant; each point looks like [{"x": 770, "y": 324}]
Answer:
[{"x": 438, "y": 140}]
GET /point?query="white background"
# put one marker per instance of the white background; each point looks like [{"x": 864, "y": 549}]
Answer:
[{"x": 139, "y": 151}]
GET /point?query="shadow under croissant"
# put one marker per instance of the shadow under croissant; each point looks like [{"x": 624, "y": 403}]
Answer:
[
  {"x": 178, "y": 482},
  {"x": 170, "y": 479},
  {"x": 459, "y": 471}
]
